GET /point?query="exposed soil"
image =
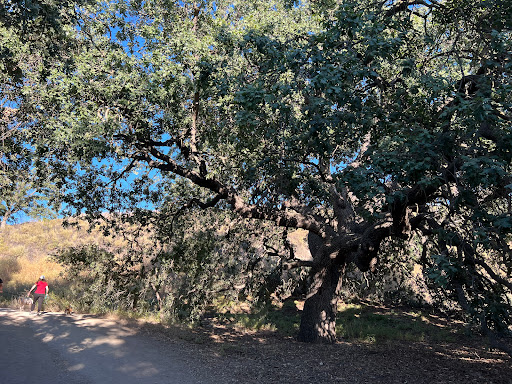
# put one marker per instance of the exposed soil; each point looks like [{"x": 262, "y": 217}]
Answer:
[{"x": 264, "y": 357}]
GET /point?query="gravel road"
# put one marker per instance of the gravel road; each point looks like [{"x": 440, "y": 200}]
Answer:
[
  {"x": 81, "y": 349},
  {"x": 85, "y": 349}
]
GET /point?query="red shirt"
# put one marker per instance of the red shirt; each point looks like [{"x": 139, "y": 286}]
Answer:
[{"x": 40, "y": 287}]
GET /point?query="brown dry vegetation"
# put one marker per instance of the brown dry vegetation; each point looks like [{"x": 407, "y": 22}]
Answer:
[{"x": 26, "y": 249}]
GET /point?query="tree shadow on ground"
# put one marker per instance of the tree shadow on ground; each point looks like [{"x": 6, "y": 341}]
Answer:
[
  {"x": 376, "y": 344},
  {"x": 361, "y": 322},
  {"x": 267, "y": 356}
]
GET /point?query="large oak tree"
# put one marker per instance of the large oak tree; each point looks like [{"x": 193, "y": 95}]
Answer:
[{"x": 356, "y": 121}]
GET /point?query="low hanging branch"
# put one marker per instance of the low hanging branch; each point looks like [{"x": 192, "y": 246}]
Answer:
[
  {"x": 282, "y": 218},
  {"x": 477, "y": 279}
]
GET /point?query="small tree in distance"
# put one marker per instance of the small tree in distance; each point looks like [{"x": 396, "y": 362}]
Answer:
[
  {"x": 23, "y": 192},
  {"x": 33, "y": 38}
]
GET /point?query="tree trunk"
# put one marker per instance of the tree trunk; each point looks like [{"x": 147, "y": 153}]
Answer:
[
  {"x": 157, "y": 295},
  {"x": 7, "y": 214},
  {"x": 318, "y": 321},
  {"x": 3, "y": 224}
]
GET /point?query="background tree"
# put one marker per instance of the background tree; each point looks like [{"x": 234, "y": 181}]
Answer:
[
  {"x": 34, "y": 35},
  {"x": 23, "y": 195},
  {"x": 358, "y": 122}
]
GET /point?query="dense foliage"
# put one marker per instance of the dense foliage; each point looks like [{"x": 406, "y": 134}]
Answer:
[
  {"x": 359, "y": 122},
  {"x": 34, "y": 37},
  {"x": 180, "y": 276}
]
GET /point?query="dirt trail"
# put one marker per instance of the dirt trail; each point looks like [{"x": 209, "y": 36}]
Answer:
[
  {"x": 80, "y": 349},
  {"x": 84, "y": 349}
]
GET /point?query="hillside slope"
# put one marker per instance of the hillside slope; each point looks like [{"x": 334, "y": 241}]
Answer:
[{"x": 26, "y": 250}]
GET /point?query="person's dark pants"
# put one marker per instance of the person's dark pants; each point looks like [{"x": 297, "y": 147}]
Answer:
[{"x": 38, "y": 298}]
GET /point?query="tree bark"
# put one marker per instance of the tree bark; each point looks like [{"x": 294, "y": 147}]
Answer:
[
  {"x": 318, "y": 321},
  {"x": 3, "y": 224},
  {"x": 157, "y": 295}
]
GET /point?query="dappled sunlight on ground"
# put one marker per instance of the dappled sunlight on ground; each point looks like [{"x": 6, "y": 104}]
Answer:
[
  {"x": 262, "y": 356},
  {"x": 104, "y": 351}
]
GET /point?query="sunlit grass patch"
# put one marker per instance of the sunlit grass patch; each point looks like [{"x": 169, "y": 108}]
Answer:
[
  {"x": 368, "y": 324},
  {"x": 284, "y": 320},
  {"x": 249, "y": 321}
]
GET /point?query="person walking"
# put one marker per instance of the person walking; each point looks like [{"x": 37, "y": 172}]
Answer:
[{"x": 41, "y": 291}]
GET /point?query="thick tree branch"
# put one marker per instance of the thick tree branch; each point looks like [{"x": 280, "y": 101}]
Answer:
[
  {"x": 298, "y": 263},
  {"x": 282, "y": 218},
  {"x": 401, "y": 6}
]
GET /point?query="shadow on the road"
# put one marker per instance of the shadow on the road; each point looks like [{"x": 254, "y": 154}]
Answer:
[{"x": 105, "y": 350}]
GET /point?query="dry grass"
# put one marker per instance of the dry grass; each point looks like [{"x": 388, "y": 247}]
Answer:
[
  {"x": 26, "y": 250},
  {"x": 28, "y": 272}
]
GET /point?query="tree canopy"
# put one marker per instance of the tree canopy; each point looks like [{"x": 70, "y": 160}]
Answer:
[
  {"x": 359, "y": 122},
  {"x": 34, "y": 36}
]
